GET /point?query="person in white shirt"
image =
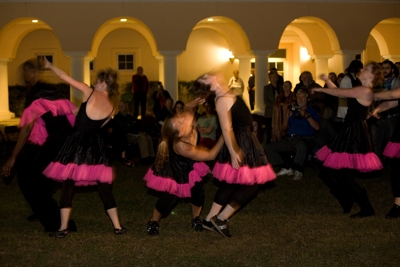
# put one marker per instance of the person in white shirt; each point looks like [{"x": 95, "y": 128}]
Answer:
[{"x": 236, "y": 84}]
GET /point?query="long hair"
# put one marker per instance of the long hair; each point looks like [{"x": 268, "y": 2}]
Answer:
[
  {"x": 169, "y": 135},
  {"x": 376, "y": 70},
  {"x": 110, "y": 77},
  {"x": 202, "y": 90}
]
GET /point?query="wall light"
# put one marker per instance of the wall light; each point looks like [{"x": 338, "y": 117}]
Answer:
[
  {"x": 123, "y": 20},
  {"x": 35, "y": 21},
  {"x": 210, "y": 19},
  {"x": 231, "y": 56}
]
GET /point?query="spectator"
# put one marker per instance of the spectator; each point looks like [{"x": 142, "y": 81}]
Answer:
[
  {"x": 349, "y": 81},
  {"x": 251, "y": 88},
  {"x": 207, "y": 125},
  {"x": 236, "y": 84},
  {"x": 280, "y": 114},
  {"x": 331, "y": 101},
  {"x": 167, "y": 110},
  {"x": 271, "y": 92},
  {"x": 132, "y": 130},
  {"x": 315, "y": 99},
  {"x": 302, "y": 123},
  {"x": 159, "y": 97},
  {"x": 140, "y": 87},
  {"x": 280, "y": 77},
  {"x": 382, "y": 129},
  {"x": 178, "y": 107}
]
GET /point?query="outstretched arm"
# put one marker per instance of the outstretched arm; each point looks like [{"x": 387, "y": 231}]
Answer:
[
  {"x": 22, "y": 138},
  {"x": 198, "y": 154},
  {"x": 359, "y": 92},
  {"x": 60, "y": 73},
  {"x": 388, "y": 94}
]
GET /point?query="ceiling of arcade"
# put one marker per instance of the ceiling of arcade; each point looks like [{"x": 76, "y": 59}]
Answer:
[{"x": 315, "y": 34}]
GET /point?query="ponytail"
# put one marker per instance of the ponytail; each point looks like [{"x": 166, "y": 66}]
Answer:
[{"x": 162, "y": 155}]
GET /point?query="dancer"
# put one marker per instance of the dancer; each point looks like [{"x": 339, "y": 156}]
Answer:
[
  {"x": 242, "y": 164},
  {"x": 351, "y": 150},
  {"x": 82, "y": 160},
  {"x": 392, "y": 149},
  {"x": 176, "y": 171},
  {"x": 45, "y": 124}
]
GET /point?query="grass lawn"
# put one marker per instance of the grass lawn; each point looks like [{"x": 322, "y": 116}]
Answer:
[{"x": 294, "y": 223}]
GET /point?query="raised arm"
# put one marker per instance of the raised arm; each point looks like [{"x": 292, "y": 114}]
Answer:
[{"x": 60, "y": 73}]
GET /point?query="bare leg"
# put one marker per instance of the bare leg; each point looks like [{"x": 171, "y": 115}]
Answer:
[
  {"x": 113, "y": 214},
  {"x": 215, "y": 209},
  {"x": 397, "y": 201},
  {"x": 64, "y": 213},
  {"x": 226, "y": 213}
]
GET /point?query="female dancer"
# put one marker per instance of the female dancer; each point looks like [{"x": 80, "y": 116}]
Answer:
[
  {"x": 82, "y": 160},
  {"x": 242, "y": 164},
  {"x": 392, "y": 150},
  {"x": 351, "y": 150},
  {"x": 175, "y": 171}
]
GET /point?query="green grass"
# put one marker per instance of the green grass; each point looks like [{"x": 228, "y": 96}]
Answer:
[{"x": 295, "y": 223}]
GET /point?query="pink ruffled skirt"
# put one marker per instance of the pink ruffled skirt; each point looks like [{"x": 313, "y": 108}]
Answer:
[{"x": 168, "y": 184}]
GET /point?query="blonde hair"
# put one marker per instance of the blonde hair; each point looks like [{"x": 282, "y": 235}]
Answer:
[{"x": 169, "y": 135}]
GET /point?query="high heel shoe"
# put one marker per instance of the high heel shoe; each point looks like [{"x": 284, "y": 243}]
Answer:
[{"x": 121, "y": 231}]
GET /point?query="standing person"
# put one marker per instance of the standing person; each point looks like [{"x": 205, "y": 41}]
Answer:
[
  {"x": 280, "y": 112},
  {"x": 348, "y": 81},
  {"x": 242, "y": 164},
  {"x": 392, "y": 149},
  {"x": 140, "y": 87},
  {"x": 236, "y": 84},
  {"x": 207, "y": 126},
  {"x": 176, "y": 171},
  {"x": 159, "y": 96},
  {"x": 271, "y": 92},
  {"x": 351, "y": 150},
  {"x": 382, "y": 129},
  {"x": 82, "y": 160},
  {"x": 251, "y": 88},
  {"x": 46, "y": 122}
]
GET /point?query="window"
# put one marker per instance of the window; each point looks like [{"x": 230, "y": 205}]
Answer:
[{"x": 125, "y": 62}]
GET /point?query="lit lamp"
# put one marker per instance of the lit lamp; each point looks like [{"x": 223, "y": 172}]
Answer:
[{"x": 231, "y": 56}]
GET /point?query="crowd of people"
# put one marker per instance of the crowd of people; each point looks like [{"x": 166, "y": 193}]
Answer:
[{"x": 337, "y": 124}]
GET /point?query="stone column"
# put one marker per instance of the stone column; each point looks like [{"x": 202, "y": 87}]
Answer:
[
  {"x": 169, "y": 72},
  {"x": 261, "y": 73},
  {"x": 321, "y": 66},
  {"x": 347, "y": 57},
  {"x": 80, "y": 71},
  {"x": 5, "y": 113},
  {"x": 244, "y": 74}
]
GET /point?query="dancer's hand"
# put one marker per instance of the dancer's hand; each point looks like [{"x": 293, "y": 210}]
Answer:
[
  {"x": 324, "y": 77},
  {"x": 237, "y": 159},
  {"x": 6, "y": 170}
]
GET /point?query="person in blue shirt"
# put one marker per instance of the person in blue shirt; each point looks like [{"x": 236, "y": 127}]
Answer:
[{"x": 302, "y": 123}]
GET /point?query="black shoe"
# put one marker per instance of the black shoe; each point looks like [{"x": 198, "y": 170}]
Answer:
[
  {"x": 196, "y": 224},
  {"x": 394, "y": 212},
  {"x": 32, "y": 218},
  {"x": 59, "y": 234},
  {"x": 208, "y": 225},
  {"x": 152, "y": 228},
  {"x": 121, "y": 231},
  {"x": 72, "y": 226},
  {"x": 363, "y": 213},
  {"x": 221, "y": 226}
]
